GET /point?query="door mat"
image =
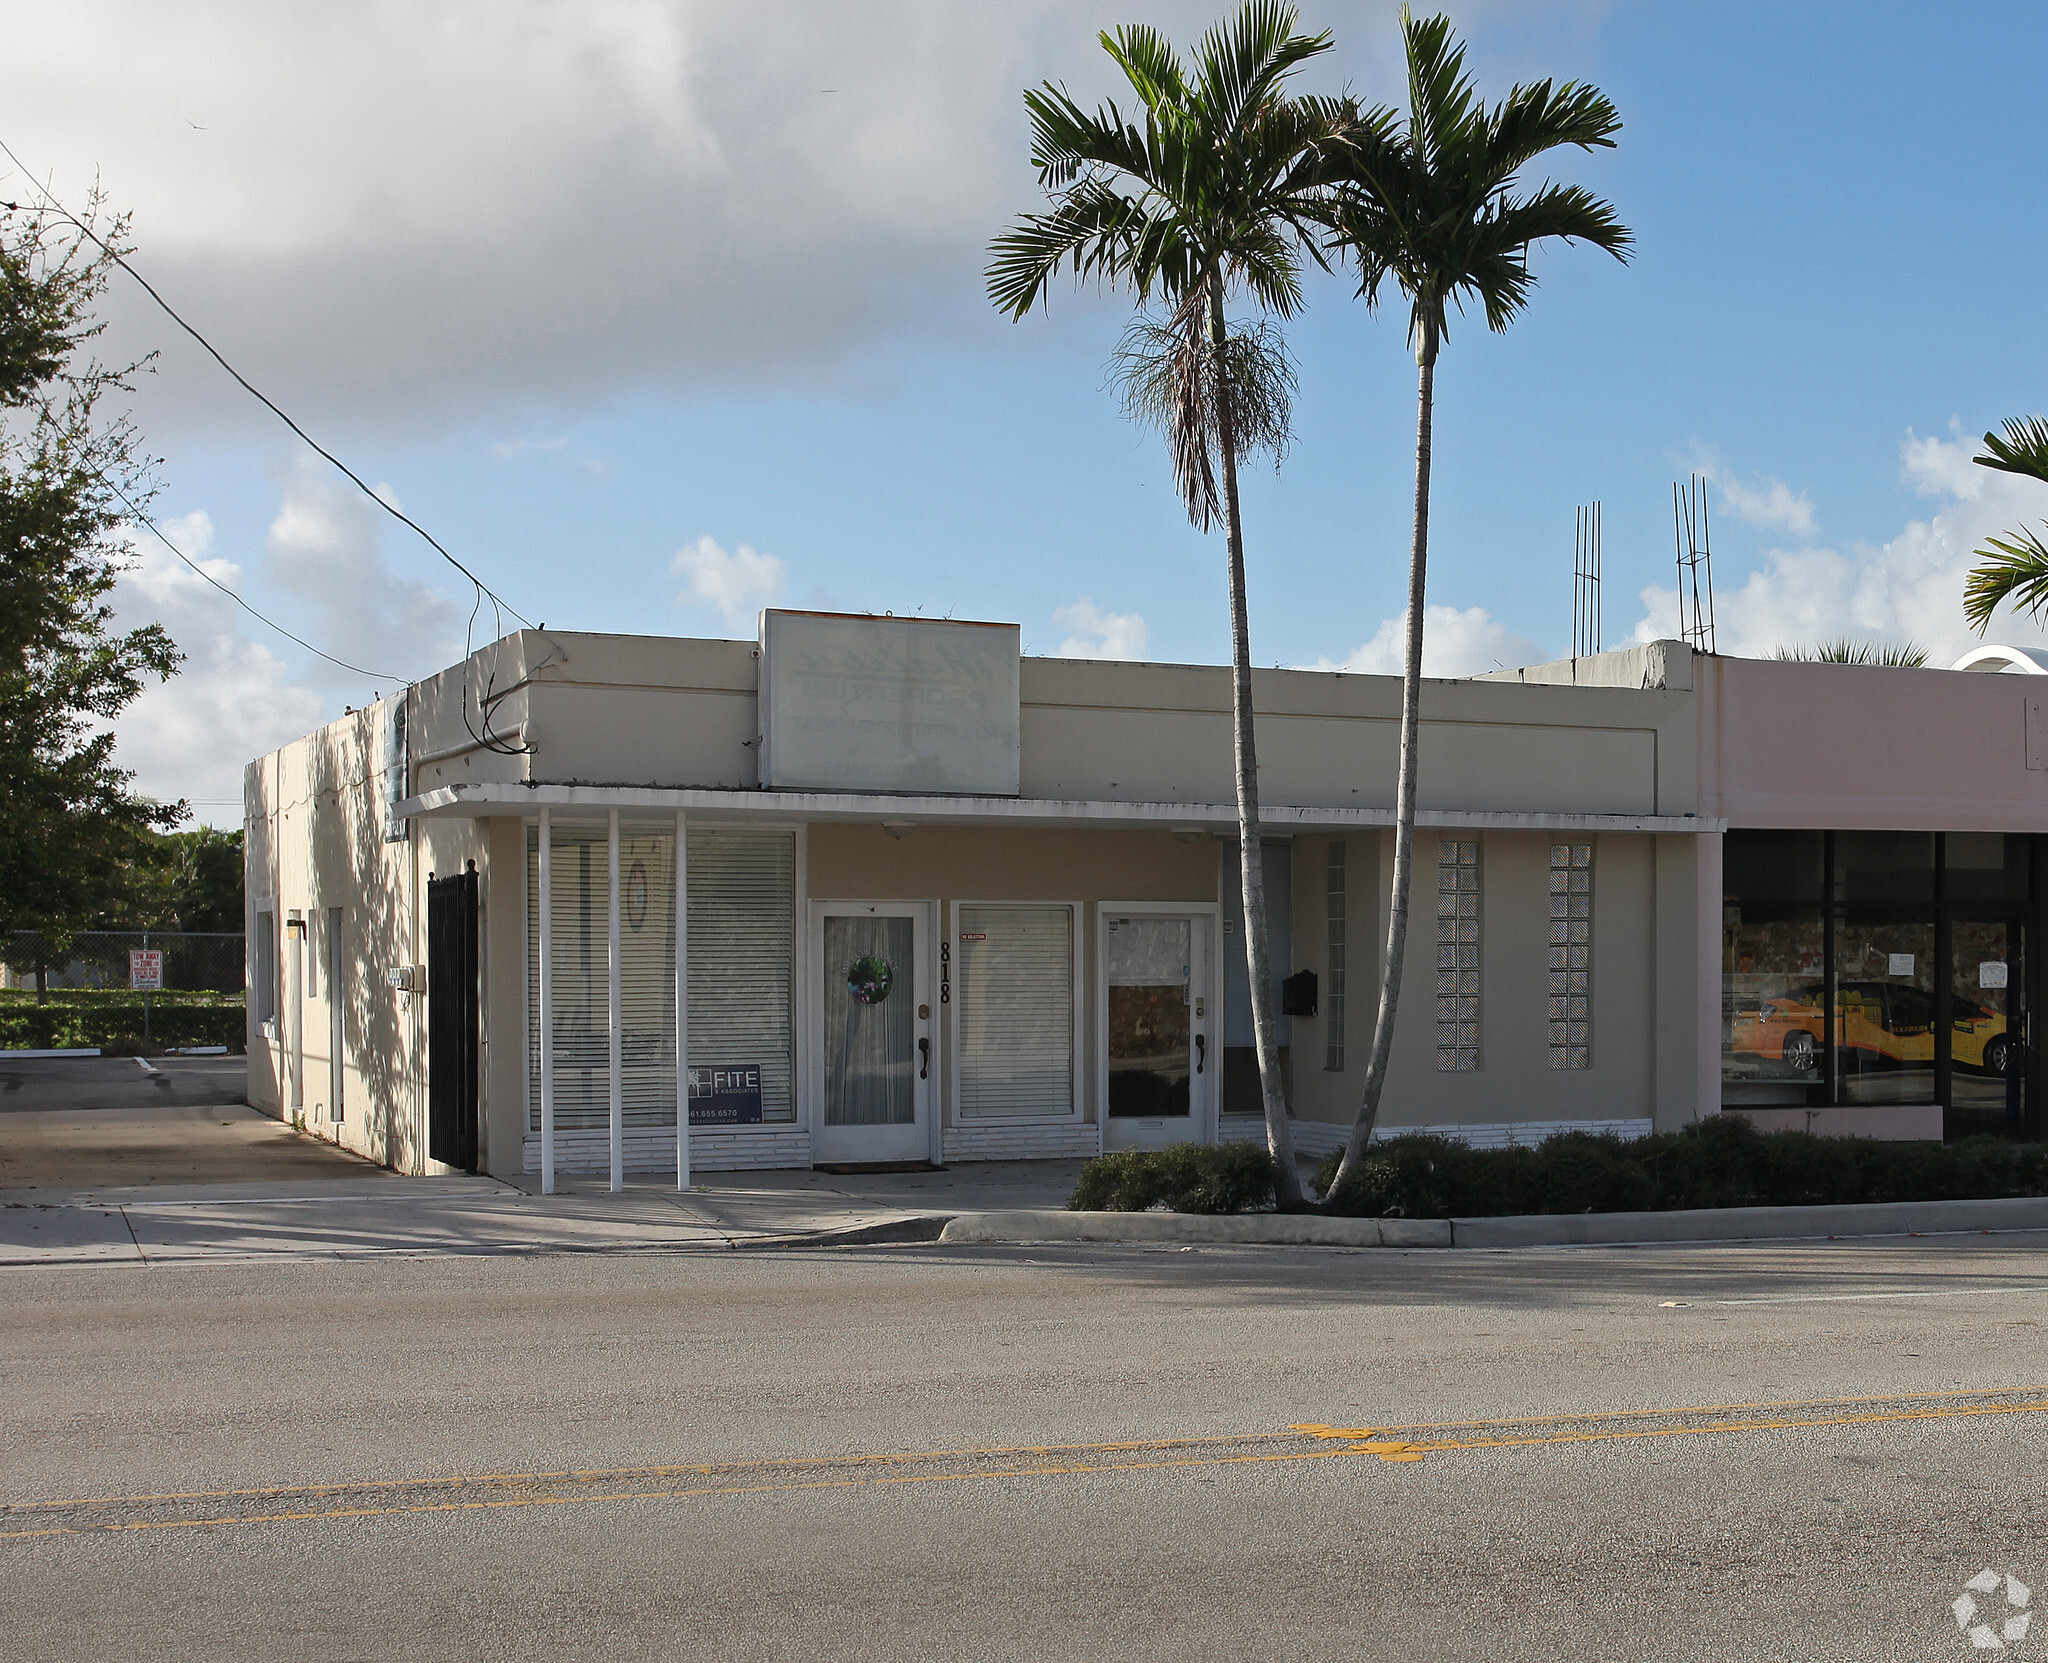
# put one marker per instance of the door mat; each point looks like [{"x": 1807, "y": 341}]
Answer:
[{"x": 846, "y": 1169}]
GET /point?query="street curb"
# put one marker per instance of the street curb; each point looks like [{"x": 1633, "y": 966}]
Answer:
[
  {"x": 1713, "y": 1224},
  {"x": 82, "y": 1051},
  {"x": 1243, "y": 1229},
  {"x": 926, "y": 1228}
]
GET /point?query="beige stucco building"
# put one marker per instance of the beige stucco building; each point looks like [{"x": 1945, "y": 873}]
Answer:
[{"x": 944, "y": 903}]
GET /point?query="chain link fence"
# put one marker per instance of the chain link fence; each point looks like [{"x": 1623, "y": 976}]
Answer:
[{"x": 194, "y": 961}]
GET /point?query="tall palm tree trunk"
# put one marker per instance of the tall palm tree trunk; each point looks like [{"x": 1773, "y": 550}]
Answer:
[
  {"x": 1404, "y": 795},
  {"x": 1251, "y": 861}
]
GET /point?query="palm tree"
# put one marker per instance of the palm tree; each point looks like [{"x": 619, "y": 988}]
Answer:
[
  {"x": 2015, "y": 567},
  {"x": 1204, "y": 192},
  {"x": 1889, "y": 655},
  {"x": 1428, "y": 202}
]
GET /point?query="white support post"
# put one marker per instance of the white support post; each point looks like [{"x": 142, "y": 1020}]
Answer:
[
  {"x": 545, "y": 910},
  {"x": 682, "y": 1003},
  {"x": 616, "y": 1070}
]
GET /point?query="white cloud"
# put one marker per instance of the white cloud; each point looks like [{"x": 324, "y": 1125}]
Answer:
[
  {"x": 738, "y": 583},
  {"x": 555, "y": 451},
  {"x": 365, "y": 204},
  {"x": 402, "y": 208},
  {"x": 326, "y": 546},
  {"x": 1454, "y": 643},
  {"x": 1910, "y": 588},
  {"x": 233, "y": 699},
  {"x": 1100, "y": 634},
  {"x": 1765, "y": 501}
]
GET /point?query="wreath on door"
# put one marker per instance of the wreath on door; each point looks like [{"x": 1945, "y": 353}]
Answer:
[{"x": 869, "y": 979}]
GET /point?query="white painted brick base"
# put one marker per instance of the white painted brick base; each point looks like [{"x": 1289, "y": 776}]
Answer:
[
  {"x": 1318, "y": 1138},
  {"x": 1064, "y": 1141},
  {"x": 756, "y": 1148}
]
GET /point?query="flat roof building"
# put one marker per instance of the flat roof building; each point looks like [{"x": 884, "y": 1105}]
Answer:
[{"x": 933, "y": 901}]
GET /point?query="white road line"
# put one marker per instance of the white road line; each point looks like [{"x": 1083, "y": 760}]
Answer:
[
  {"x": 1843, "y": 1298},
  {"x": 147, "y": 1066}
]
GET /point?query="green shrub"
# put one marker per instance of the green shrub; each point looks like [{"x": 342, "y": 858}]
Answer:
[
  {"x": 1722, "y": 1161},
  {"x": 114, "y": 1021},
  {"x": 1183, "y": 1178}
]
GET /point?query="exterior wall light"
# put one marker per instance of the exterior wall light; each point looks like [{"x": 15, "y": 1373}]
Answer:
[{"x": 899, "y": 828}]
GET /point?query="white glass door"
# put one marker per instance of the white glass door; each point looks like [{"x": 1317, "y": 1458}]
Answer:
[
  {"x": 873, "y": 1055},
  {"x": 1160, "y": 1059}
]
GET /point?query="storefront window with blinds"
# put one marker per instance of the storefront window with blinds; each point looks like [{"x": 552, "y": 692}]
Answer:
[
  {"x": 1014, "y": 976},
  {"x": 741, "y": 948}
]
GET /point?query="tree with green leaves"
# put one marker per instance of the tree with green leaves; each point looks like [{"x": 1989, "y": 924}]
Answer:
[
  {"x": 67, "y": 817},
  {"x": 1203, "y": 193},
  {"x": 2015, "y": 567},
  {"x": 1428, "y": 202}
]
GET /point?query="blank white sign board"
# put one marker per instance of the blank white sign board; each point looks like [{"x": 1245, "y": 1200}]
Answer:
[{"x": 854, "y": 703}]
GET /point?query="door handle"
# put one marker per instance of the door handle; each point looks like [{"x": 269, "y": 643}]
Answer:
[
  {"x": 1201, "y": 1051},
  {"x": 924, "y": 1059}
]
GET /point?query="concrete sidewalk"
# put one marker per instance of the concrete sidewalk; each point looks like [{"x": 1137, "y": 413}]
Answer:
[{"x": 385, "y": 1215}]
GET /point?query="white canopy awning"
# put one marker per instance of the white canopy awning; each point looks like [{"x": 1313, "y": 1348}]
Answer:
[{"x": 484, "y": 801}]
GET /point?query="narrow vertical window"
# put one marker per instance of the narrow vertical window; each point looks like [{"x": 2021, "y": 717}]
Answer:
[
  {"x": 1571, "y": 955},
  {"x": 1333, "y": 995},
  {"x": 1457, "y": 957}
]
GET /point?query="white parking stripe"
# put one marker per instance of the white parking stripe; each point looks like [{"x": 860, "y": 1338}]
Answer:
[{"x": 147, "y": 1066}]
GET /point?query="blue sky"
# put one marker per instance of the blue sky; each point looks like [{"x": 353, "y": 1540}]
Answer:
[{"x": 578, "y": 334}]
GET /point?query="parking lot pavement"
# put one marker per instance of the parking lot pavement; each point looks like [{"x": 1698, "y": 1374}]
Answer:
[
  {"x": 70, "y": 1123},
  {"x": 39, "y": 1084}
]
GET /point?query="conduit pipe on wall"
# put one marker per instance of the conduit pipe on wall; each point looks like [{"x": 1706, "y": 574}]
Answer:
[
  {"x": 682, "y": 1004},
  {"x": 546, "y": 910},
  {"x": 617, "y": 1034}
]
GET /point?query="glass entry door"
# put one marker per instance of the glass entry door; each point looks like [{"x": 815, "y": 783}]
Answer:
[
  {"x": 874, "y": 1062},
  {"x": 1157, "y": 1028},
  {"x": 1987, "y": 1021}
]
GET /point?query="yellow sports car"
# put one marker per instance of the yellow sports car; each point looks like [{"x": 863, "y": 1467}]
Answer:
[{"x": 1887, "y": 1019}]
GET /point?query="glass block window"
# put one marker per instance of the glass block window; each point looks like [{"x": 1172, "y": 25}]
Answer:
[
  {"x": 1457, "y": 957},
  {"x": 1571, "y": 955},
  {"x": 1333, "y": 993}
]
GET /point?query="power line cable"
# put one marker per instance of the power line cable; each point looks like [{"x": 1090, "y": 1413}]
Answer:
[
  {"x": 52, "y": 204},
  {"x": 487, "y": 740},
  {"x": 143, "y": 520}
]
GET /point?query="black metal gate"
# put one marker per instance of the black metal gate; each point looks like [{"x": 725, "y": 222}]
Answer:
[{"x": 453, "y": 1019}]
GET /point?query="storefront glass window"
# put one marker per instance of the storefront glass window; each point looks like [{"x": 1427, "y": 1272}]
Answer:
[
  {"x": 1878, "y": 967},
  {"x": 1884, "y": 1008}
]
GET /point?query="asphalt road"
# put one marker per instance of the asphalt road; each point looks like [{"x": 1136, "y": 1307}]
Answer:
[{"x": 852, "y": 1455}]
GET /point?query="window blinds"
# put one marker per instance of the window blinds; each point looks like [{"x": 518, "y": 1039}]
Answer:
[
  {"x": 1015, "y": 980},
  {"x": 742, "y": 939}
]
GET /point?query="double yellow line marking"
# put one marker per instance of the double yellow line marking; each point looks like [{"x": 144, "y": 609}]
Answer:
[{"x": 185, "y": 1510}]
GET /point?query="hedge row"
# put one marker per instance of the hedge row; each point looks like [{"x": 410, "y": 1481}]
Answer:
[
  {"x": 1185, "y": 1178},
  {"x": 1722, "y": 1161},
  {"x": 107, "y": 1023}
]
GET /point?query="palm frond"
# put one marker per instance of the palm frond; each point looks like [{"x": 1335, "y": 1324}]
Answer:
[
  {"x": 1211, "y": 404},
  {"x": 1149, "y": 63},
  {"x": 1440, "y": 93},
  {"x": 1538, "y": 118},
  {"x": 1092, "y": 231},
  {"x": 1429, "y": 206},
  {"x": 2023, "y": 450},
  {"x": 2014, "y": 569},
  {"x": 1889, "y": 655}
]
